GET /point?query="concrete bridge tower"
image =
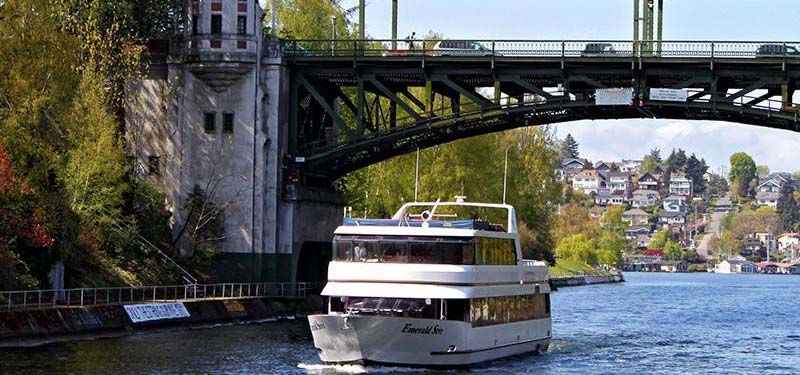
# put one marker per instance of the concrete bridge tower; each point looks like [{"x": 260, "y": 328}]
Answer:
[{"x": 211, "y": 116}]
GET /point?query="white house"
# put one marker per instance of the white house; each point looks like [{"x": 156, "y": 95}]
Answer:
[
  {"x": 787, "y": 240},
  {"x": 635, "y": 217},
  {"x": 736, "y": 265},
  {"x": 675, "y": 203},
  {"x": 645, "y": 198},
  {"x": 630, "y": 166},
  {"x": 680, "y": 185},
  {"x": 768, "y": 241},
  {"x": 767, "y": 198},
  {"x": 671, "y": 218},
  {"x": 619, "y": 181},
  {"x": 588, "y": 181}
]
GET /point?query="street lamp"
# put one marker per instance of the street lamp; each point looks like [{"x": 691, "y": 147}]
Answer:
[{"x": 333, "y": 35}]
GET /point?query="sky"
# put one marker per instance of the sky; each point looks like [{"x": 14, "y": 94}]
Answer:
[{"x": 754, "y": 20}]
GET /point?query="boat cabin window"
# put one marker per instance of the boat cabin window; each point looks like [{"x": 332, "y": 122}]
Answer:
[
  {"x": 397, "y": 249},
  {"x": 497, "y": 251},
  {"x": 508, "y": 309},
  {"x": 479, "y": 312}
]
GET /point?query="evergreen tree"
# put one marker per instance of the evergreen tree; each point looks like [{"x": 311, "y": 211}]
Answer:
[
  {"x": 695, "y": 169},
  {"x": 571, "y": 146},
  {"x": 743, "y": 171},
  {"x": 787, "y": 208},
  {"x": 651, "y": 161}
]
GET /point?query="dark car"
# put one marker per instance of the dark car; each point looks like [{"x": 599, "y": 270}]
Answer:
[
  {"x": 599, "y": 49},
  {"x": 776, "y": 50}
]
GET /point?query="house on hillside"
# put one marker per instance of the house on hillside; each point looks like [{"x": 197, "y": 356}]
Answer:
[
  {"x": 588, "y": 181},
  {"x": 679, "y": 184},
  {"x": 632, "y": 232},
  {"x": 672, "y": 218},
  {"x": 752, "y": 247},
  {"x": 649, "y": 181},
  {"x": 642, "y": 241},
  {"x": 570, "y": 167},
  {"x": 768, "y": 267},
  {"x": 770, "y": 186},
  {"x": 768, "y": 241},
  {"x": 605, "y": 197},
  {"x": 768, "y": 199},
  {"x": 675, "y": 203},
  {"x": 787, "y": 240},
  {"x": 619, "y": 181},
  {"x": 602, "y": 166},
  {"x": 644, "y": 198},
  {"x": 635, "y": 217},
  {"x": 630, "y": 166}
]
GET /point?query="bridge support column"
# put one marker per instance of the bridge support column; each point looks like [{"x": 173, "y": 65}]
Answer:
[{"x": 429, "y": 97}]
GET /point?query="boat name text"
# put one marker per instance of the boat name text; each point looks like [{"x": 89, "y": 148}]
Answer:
[{"x": 429, "y": 330}]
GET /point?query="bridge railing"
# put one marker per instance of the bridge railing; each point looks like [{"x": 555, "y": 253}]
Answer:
[
  {"x": 540, "y": 48},
  {"x": 33, "y": 299}
]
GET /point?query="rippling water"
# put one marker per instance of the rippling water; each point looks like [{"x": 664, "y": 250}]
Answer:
[{"x": 654, "y": 323}]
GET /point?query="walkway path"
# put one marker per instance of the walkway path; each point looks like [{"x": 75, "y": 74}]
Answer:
[{"x": 721, "y": 208}]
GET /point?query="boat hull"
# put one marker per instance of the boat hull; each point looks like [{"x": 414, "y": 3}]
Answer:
[{"x": 423, "y": 342}]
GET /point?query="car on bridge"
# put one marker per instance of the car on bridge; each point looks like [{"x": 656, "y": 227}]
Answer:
[
  {"x": 598, "y": 49},
  {"x": 461, "y": 48},
  {"x": 776, "y": 50}
]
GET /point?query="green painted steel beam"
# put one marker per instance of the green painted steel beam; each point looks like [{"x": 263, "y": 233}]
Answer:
[{"x": 392, "y": 96}]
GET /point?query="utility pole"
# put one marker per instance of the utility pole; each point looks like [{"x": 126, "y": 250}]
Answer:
[{"x": 394, "y": 25}]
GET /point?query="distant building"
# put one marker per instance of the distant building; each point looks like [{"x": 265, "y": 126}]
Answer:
[
  {"x": 630, "y": 166},
  {"x": 674, "y": 266},
  {"x": 602, "y": 166},
  {"x": 770, "y": 186},
  {"x": 679, "y": 184},
  {"x": 588, "y": 181},
  {"x": 605, "y": 197},
  {"x": 635, "y": 217},
  {"x": 787, "y": 240},
  {"x": 644, "y": 198},
  {"x": 569, "y": 168},
  {"x": 671, "y": 218},
  {"x": 619, "y": 181},
  {"x": 675, "y": 203},
  {"x": 768, "y": 199},
  {"x": 736, "y": 266},
  {"x": 767, "y": 241},
  {"x": 649, "y": 181}
]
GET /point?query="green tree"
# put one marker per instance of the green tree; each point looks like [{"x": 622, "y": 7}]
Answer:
[
  {"x": 673, "y": 250},
  {"x": 651, "y": 161},
  {"x": 569, "y": 147},
  {"x": 788, "y": 210},
  {"x": 610, "y": 246},
  {"x": 659, "y": 239},
  {"x": 695, "y": 170},
  {"x": 578, "y": 247},
  {"x": 743, "y": 171},
  {"x": 762, "y": 170}
]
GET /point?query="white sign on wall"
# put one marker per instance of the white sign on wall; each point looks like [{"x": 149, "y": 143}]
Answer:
[
  {"x": 156, "y": 311},
  {"x": 615, "y": 96},
  {"x": 669, "y": 95}
]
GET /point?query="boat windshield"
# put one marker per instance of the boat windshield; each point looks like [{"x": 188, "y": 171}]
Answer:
[{"x": 413, "y": 308}]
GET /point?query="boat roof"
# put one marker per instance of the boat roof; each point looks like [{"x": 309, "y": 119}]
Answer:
[{"x": 403, "y": 213}]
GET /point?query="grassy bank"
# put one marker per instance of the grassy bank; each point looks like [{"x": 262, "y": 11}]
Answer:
[{"x": 569, "y": 268}]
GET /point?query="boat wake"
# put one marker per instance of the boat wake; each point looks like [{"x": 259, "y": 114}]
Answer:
[{"x": 319, "y": 368}]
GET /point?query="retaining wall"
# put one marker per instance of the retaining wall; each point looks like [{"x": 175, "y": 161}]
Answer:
[
  {"x": 586, "y": 280},
  {"x": 32, "y": 327}
]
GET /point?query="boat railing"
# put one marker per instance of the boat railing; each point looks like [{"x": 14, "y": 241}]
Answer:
[{"x": 532, "y": 263}]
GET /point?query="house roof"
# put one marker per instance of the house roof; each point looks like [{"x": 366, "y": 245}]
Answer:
[
  {"x": 570, "y": 161},
  {"x": 619, "y": 174},
  {"x": 642, "y": 237},
  {"x": 637, "y": 229},
  {"x": 654, "y": 252},
  {"x": 669, "y": 214},
  {"x": 652, "y": 175},
  {"x": 635, "y": 211},
  {"x": 646, "y": 191},
  {"x": 675, "y": 197},
  {"x": 775, "y": 182},
  {"x": 588, "y": 173},
  {"x": 601, "y": 163}
]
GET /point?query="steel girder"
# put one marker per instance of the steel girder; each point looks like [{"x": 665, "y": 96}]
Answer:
[{"x": 345, "y": 114}]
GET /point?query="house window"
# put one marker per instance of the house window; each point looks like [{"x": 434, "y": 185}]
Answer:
[
  {"x": 153, "y": 165},
  {"x": 216, "y": 24},
  {"x": 209, "y": 125},
  {"x": 241, "y": 25},
  {"x": 227, "y": 123}
]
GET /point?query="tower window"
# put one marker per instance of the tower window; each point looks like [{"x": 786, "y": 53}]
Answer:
[
  {"x": 216, "y": 24},
  {"x": 241, "y": 25},
  {"x": 209, "y": 125},
  {"x": 227, "y": 123},
  {"x": 154, "y": 165}
]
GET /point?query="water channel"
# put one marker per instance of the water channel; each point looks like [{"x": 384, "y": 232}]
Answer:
[{"x": 654, "y": 323}]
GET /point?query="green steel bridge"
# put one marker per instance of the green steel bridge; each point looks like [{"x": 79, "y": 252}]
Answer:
[{"x": 357, "y": 102}]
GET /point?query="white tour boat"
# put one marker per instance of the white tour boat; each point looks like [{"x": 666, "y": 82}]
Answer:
[{"x": 419, "y": 291}]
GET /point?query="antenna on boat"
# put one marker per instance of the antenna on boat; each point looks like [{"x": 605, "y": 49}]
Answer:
[
  {"x": 505, "y": 176},
  {"x": 416, "y": 177}
]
